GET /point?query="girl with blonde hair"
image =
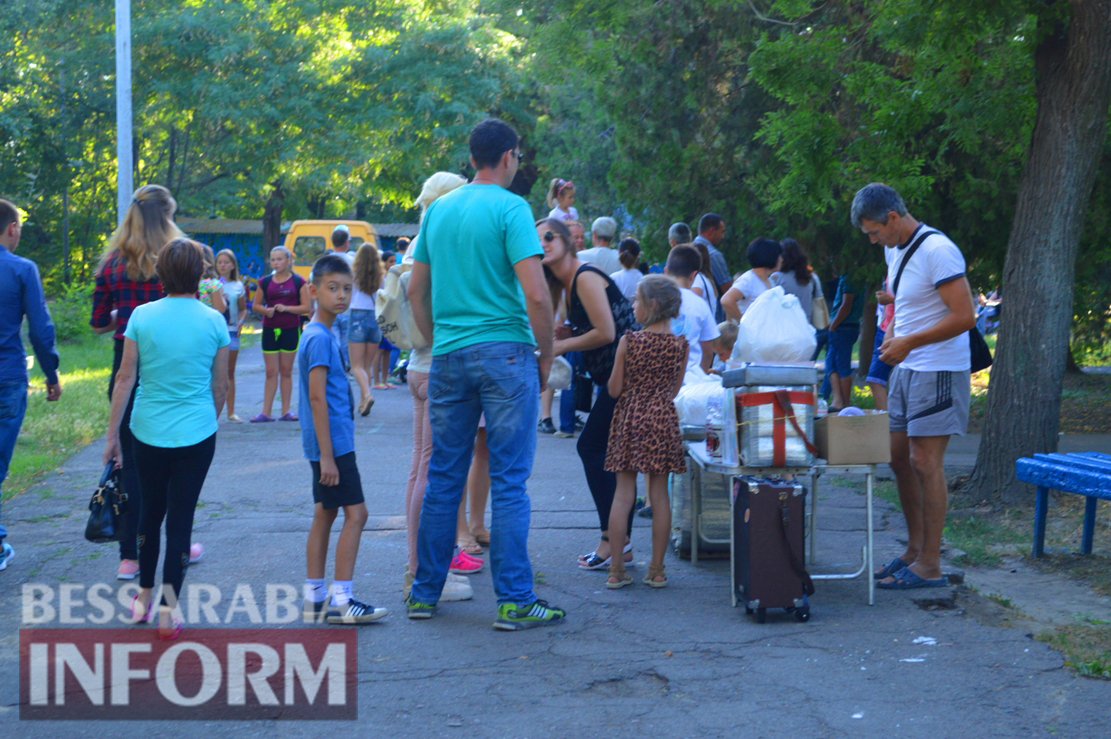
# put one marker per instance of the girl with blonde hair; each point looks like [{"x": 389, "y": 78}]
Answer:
[
  {"x": 363, "y": 333},
  {"x": 235, "y": 294},
  {"x": 126, "y": 279}
]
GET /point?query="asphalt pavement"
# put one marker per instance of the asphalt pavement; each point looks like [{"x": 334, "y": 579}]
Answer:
[{"x": 675, "y": 662}]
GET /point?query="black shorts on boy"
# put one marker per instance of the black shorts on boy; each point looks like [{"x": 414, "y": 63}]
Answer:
[{"x": 349, "y": 491}]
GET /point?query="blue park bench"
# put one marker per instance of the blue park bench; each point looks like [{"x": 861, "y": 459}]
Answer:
[{"x": 1087, "y": 474}]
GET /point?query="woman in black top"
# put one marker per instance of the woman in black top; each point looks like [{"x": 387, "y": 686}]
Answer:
[{"x": 590, "y": 300}]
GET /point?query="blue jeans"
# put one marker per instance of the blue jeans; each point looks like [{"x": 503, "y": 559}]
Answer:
[
  {"x": 13, "y": 406},
  {"x": 839, "y": 354},
  {"x": 501, "y": 380},
  {"x": 567, "y": 396}
]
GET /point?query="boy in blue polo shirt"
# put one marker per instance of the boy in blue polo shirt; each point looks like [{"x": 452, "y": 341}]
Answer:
[{"x": 328, "y": 438}]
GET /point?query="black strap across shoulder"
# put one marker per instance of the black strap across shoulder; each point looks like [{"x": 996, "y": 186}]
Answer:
[{"x": 910, "y": 253}]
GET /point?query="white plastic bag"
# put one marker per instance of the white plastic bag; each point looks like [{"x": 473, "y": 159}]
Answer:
[
  {"x": 394, "y": 314},
  {"x": 774, "y": 329},
  {"x": 559, "y": 377},
  {"x": 691, "y": 401}
]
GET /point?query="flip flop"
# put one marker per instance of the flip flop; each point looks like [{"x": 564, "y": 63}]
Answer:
[
  {"x": 905, "y": 579},
  {"x": 471, "y": 547},
  {"x": 365, "y": 406},
  {"x": 890, "y": 569},
  {"x": 288, "y": 417},
  {"x": 262, "y": 418}
]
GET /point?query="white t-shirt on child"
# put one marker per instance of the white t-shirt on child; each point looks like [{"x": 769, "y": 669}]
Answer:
[
  {"x": 695, "y": 322},
  {"x": 564, "y": 215}
]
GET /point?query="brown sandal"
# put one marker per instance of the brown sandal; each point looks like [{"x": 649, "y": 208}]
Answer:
[
  {"x": 653, "y": 573},
  {"x": 623, "y": 577},
  {"x": 483, "y": 539}
]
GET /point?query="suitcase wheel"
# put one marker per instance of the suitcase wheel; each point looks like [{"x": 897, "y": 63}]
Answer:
[
  {"x": 748, "y": 611},
  {"x": 761, "y": 615},
  {"x": 802, "y": 615}
]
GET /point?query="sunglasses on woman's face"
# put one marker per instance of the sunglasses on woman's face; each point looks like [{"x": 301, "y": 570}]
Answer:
[{"x": 549, "y": 237}]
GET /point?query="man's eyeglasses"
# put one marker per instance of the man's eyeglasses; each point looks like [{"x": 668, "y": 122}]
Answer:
[{"x": 520, "y": 157}]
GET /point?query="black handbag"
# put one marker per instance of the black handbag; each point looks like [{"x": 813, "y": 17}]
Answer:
[
  {"x": 106, "y": 509},
  {"x": 979, "y": 350}
]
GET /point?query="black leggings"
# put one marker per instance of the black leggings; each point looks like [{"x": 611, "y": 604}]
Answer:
[
  {"x": 591, "y": 446},
  {"x": 129, "y": 474},
  {"x": 171, "y": 480}
]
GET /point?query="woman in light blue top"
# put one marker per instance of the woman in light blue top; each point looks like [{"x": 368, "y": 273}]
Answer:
[{"x": 179, "y": 347}]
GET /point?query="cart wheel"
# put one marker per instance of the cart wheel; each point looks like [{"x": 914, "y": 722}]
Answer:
[
  {"x": 748, "y": 611},
  {"x": 761, "y": 615},
  {"x": 802, "y": 615}
]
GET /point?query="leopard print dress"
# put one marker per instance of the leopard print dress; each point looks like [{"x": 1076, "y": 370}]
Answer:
[{"x": 644, "y": 436}]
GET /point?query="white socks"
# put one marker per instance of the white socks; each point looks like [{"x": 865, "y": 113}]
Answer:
[
  {"x": 341, "y": 592},
  {"x": 316, "y": 591}
]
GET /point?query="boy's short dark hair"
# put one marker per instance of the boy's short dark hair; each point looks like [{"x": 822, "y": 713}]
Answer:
[
  {"x": 489, "y": 140},
  {"x": 330, "y": 264},
  {"x": 764, "y": 253},
  {"x": 683, "y": 261},
  {"x": 403, "y": 244},
  {"x": 180, "y": 266},
  {"x": 9, "y": 214}
]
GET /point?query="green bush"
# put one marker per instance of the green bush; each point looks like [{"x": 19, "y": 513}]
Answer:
[{"x": 70, "y": 312}]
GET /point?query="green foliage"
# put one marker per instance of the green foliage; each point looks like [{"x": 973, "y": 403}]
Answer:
[
  {"x": 339, "y": 104},
  {"x": 70, "y": 311}
]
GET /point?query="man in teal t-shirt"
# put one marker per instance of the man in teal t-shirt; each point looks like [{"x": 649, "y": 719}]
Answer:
[
  {"x": 478, "y": 290},
  {"x": 848, "y": 308}
]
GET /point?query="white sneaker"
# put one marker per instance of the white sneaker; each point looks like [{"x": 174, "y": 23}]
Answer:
[{"x": 454, "y": 590}]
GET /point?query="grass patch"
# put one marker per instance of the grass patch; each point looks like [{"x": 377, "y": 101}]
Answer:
[
  {"x": 1085, "y": 403},
  {"x": 1087, "y": 648},
  {"x": 53, "y": 432},
  {"x": 886, "y": 490},
  {"x": 983, "y": 539}
]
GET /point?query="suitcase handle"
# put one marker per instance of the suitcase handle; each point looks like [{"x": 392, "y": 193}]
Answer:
[{"x": 796, "y": 565}]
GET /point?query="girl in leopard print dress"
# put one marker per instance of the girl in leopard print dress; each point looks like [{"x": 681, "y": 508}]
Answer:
[{"x": 644, "y": 437}]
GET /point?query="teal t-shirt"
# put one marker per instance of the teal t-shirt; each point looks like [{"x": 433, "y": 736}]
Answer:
[
  {"x": 177, "y": 339},
  {"x": 845, "y": 286},
  {"x": 470, "y": 239}
]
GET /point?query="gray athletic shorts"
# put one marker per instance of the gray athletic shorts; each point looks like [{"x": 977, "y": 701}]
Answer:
[{"x": 928, "y": 403}]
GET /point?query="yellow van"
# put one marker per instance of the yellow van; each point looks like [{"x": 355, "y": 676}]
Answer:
[{"x": 309, "y": 239}]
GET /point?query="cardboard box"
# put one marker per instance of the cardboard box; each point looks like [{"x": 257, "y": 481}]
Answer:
[{"x": 854, "y": 439}]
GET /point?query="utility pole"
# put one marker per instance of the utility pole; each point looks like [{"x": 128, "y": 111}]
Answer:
[
  {"x": 65, "y": 177},
  {"x": 124, "y": 161}
]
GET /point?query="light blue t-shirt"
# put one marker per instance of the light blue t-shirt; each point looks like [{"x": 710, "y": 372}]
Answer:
[
  {"x": 471, "y": 238},
  {"x": 319, "y": 349},
  {"x": 177, "y": 339}
]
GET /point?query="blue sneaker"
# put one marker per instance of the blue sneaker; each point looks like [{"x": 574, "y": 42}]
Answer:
[{"x": 6, "y": 554}]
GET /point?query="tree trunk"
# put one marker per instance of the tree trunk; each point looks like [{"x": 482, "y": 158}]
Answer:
[
  {"x": 1071, "y": 366},
  {"x": 272, "y": 220},
  {"x": 1073, "y": 89}
]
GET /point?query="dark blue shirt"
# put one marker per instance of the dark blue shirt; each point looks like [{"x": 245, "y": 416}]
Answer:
[{"x": 21, "y": 295}]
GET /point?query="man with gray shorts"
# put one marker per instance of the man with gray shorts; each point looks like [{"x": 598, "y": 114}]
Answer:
[{"x": 928, "y": 391}]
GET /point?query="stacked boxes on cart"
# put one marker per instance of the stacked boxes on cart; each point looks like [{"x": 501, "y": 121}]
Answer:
[{"x": 775, "y": 406}]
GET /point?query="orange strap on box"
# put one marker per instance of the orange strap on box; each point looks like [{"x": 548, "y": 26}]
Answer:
[{"x": 785, "y": 400}]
